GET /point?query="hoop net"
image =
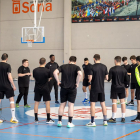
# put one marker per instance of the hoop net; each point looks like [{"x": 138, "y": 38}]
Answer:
[{"x": 30, "y": 43}]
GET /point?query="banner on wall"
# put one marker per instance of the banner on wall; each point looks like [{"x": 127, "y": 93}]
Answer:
[{"x": 105, "y": 10}]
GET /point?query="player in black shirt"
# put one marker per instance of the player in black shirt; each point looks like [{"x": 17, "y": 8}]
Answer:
[
  {"x": 6, "y": 89},
  {"x": 41, "y": 76},
  {"x": 137, "y": 73},
  {"x": 127, "y": 67},
  {"x": 23, "y": 82},
  {"x": 119, "y": 77},
  {"x": 70, "y": 72},
  {"x": 53, "y": 66},
  {"x": 97, "y": 75},
  {"x": 86, "y": 67},
  {"x": 133, "y": 79}
]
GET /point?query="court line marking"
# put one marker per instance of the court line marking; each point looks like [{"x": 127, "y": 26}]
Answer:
[
  {"x": 96, "y": 125},
  {"x": 127, "y": 134},
  {"x": 33, "y": 123},
  {"x": 40, "y": 136},
  {"x": 19, "y": 125},
  {"x": 29, "y": 104}
]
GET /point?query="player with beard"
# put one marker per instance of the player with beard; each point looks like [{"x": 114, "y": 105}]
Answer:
[{"x": 52, "y": 66}]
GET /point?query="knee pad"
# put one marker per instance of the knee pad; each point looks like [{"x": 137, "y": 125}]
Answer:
[
  {"x": 123, "y": 103},
  {"x": 114, "y": 103},
  {"x": 12, "y": 102}
]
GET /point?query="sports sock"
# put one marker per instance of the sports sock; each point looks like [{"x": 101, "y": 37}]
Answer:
[
  {"x": 126, "y": 99},
  {"x": 70, "y": 119},
  {"x": 132, "y": 101},
  {"x": 105, "y": 117},
  {"x": 113, "y": 115},
  {"x": 36, "y": 116},
  {"x": 13, "y": 112},
  {"x": 138, "y": 116},
  {"x": 48, "y": 116},
  {"x": 86, "y": 95},
  {"x": 60, "y": 118},
  {"x": 123, "y": 115},
  {"x": 92, "y": 119}
]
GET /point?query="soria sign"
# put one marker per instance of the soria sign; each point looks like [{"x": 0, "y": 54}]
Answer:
[{"x": 25, "y": 7}]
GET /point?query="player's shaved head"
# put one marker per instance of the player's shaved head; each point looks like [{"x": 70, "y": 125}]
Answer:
[{"x": 4, "y": 56}]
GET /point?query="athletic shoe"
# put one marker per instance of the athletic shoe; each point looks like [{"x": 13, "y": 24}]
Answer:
[
  {"x": 111, "y": 120},
  {"x": 17, "y": 105},
  {"x": 123, "y": 120},
  {"x": 88, "y": 101},
  {"x": 14, "y": 120},
  {"x": 27, "y": 106},
  {"x": 136, "y": 120},
  {"x": 70, "y": 125},
  {"x": 57, "y": 102},
  {"x": 36, "y": 121},
  {"x": 105, "y": 123},
  {"x": 118, "y": 101},
  {"x": 59, "y": 124},
  {"x": 85, "y": 100},
  {"x": 90, "y": 124},
  {"x": 50, "y": 121},
  {"x": 130, "y": 104},
  {"x": 1, "y": 121}
]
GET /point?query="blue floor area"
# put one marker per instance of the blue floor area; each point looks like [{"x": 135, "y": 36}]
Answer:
[{"x": 26, "y": 129}]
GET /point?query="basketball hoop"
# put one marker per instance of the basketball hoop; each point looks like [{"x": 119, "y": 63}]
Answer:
[
  {"x": 30, "y": 42},
  {"x": 34, "y": 34}
]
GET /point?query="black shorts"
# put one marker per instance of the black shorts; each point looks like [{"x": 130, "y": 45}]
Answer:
[
  {"x": 8, "y": 93},
  {"x": 39, "y": 93},
  {"x": 133, "y": 85},
  {"x": 127, "y": 85},
  {"x": 86, "y": 83},
  {"x": 68, "y": 95},
  {"x": 137, "y": 94},
  {"x": 116, "y": 95},
  {"x": 97, "y": 97}
]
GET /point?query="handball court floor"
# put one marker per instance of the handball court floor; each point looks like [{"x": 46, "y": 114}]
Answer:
[{"x": 26, "y": 129}]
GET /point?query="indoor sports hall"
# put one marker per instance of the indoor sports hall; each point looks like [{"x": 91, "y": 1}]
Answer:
[{"x": 35, "y": 29}]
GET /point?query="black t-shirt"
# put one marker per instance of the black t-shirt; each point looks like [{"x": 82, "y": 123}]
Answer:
[
  {"x": 4, "y": 81},
  {"x": 23, "y": 81},
  {"x": 119, "y": 76},
  {"x": 52, "y": 67},
  {"x": 127, "y": 67},
  {"x": 132, "y": 71},
  {"x": 69, "y": 75},
  {"x": 98, "y": 72},
  {"x": 41, "y": 76},
  {"x": 86, "y": 69}
]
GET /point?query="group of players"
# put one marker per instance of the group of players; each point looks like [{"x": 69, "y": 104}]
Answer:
[{"x": 47, "y": 75}]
